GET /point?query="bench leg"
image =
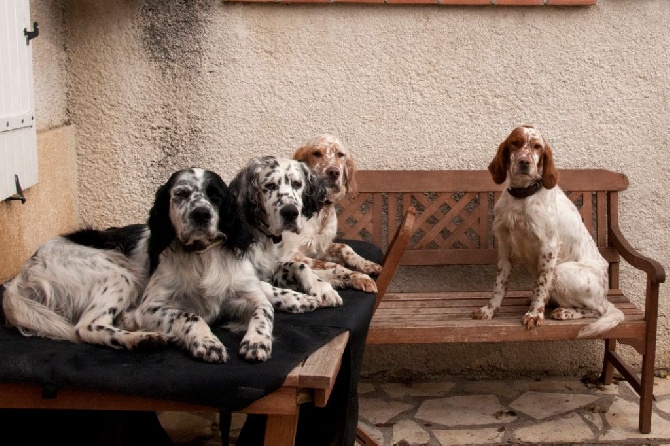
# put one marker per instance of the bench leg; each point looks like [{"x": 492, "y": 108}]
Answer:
[
  {"x": 647, "y": 389},
  {"x": 280, "y": 430},
  {"x": 608, "y": 367}
]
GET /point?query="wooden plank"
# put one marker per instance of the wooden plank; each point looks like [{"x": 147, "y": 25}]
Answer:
[
  {"x": 320, "y": 369},
  {"x": 477, "y": 180},
  {"x": 493, "y": 331},
  {"x": 435, "y": 317},
  {"x": 281, "y": 430}
]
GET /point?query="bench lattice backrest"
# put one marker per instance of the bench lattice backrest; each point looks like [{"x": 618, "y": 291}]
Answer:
[{"x": 455, "y": 212}]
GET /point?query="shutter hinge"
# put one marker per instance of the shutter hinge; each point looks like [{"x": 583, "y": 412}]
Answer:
[
  {"x": 19, "y": 192},
  {"x": 30, "y": 35}
]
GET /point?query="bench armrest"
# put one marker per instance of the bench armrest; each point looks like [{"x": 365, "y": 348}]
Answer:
[
  {"x": 394, "y": 253},
  {"x": 655, "y": 272}
]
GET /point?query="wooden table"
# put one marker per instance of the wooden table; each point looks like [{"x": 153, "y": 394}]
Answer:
[{"x": 311, "y": 380}]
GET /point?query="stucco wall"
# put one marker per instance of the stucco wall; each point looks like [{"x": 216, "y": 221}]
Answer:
[
  {"x": 51, "y": 206},
  {"x": 155, "y": 86}
]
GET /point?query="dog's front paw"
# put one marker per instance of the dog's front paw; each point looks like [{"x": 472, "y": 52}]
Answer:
[
  {"x": 371, "y": 268},
  {"x": 209, "y": 349},
  {"x": 256, "y": 348},
  {"x": 295, "y": 302},
  {"x": 532, "y": 319},
  {"x": 149, "y": 341},
  {"x": 363, "y": 282},
  {"x": 485, "y": 312},
  {"x": 326, "y": 294}
]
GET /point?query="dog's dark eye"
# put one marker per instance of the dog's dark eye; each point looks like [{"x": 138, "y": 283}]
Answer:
[
  {"x": 214, "y": 196},
  {"x": 296, "y": 184},
  {"x": 271, "y": 186},
  {"x": 181, "y": 193},
  {"x": 537, "y": 146},
  {"x": 316, "y": 154},
  {"x": 340, "y": 155}
]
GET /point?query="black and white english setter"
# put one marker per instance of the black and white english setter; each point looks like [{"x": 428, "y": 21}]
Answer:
[
  {"x": 76, "y": 286},
  {"x": 535, "y": 222},
  {"x": 148, "y": 284},
  {"x": 277, "y": 195},
  {"x": 336, "y": 263}
]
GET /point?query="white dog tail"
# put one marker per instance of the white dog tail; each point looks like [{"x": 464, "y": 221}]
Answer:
[
  {"x": 31, "y": 317},
  {"x": 608, "y": 320}
]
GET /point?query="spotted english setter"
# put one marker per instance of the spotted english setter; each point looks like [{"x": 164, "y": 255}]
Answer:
[
  {"x": 336, "y": 263},
  {"x": 535, "y": 222},
  {"x": 76, "y": 286},
  {"x": 166, "y": 281},
  {"x": 276, "y": 196}
]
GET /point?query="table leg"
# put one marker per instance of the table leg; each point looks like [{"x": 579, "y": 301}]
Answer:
[{"x": 280, "y": 430}]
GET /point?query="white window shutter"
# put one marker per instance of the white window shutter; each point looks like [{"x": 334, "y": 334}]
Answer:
[{"x": 18, "y": 135}]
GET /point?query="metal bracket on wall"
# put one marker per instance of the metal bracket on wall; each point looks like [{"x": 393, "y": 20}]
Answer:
[
  {"x": 30, "y": 35},
  {"x": 19, "y": 192}
]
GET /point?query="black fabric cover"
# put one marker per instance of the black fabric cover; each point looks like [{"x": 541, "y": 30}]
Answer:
[{"x": 171, "y": 374}]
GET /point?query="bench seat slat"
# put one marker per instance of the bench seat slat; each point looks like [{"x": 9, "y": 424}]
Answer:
[{"x": 437, "y": 317}]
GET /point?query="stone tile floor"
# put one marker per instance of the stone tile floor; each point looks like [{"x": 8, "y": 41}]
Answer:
[{"x": 531, "y": 411}]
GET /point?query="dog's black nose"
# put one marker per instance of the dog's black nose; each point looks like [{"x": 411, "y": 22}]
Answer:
[
  {"x": 333, "y": 172},
  {"x": 289, "y": 213},
  {"x": 201, "y": 215}
]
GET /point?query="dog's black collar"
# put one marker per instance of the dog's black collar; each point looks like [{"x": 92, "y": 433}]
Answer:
[
  {"x": 525, "y": 192},
  {"x": 276, "y": 239}
]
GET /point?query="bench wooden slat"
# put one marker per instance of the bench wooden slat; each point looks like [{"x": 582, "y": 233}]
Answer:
[
  {"x": 492, "y": 331},
  {"x": 478, "y": 180},
  {"x": 439, "y": 317}
]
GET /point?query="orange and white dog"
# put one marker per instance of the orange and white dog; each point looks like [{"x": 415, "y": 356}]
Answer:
[
  {"x": 534, "y": 221},
  {"x": 335, "y": 263}
]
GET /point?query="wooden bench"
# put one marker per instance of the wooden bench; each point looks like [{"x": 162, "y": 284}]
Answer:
[
  {"x": 445, "y": 218},
  {"x": 312, "y": 380}
]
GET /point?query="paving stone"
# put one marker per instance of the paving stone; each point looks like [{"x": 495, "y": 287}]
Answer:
[
  {"x": 454, "y": 437},
  {"x": 399, "y": 390},
  {"x": 661, "y": 386},
  {"x": 499, "y": 388},
  {"x": 550, "y": 385},
  {"x": 571, "y": 428},
  {"x": 364, "y": 388},
  {"x": 623, "y": 420},
  {"x": 372, "y": 431},
  {"x": 376, "y": 411},
  {"x": 468, "y": 410},
  {"x": 184, "y": 427},
  {"x": 541, "y": 405},
  {"x": 664, "y": 406},
  {"x": 410, "y": 432}
]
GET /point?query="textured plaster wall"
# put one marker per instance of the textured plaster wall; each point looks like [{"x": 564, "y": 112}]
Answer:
[
  {"x": 155, "y": 86},
  {"x": 51, "y": 206}
]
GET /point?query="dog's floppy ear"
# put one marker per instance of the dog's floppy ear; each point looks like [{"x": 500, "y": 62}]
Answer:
[
  {"x": 350, "y": 176},
  {"x": 500, "y": 164},
  {"x": 232, "y": 223},
  {"x": 246, "y": 192},
  {"x": 549, "y": 172},
  {"x": 160, "y": 226},
  {"x": 314, "y": 194},
  {"x": 302, "y": 154}
]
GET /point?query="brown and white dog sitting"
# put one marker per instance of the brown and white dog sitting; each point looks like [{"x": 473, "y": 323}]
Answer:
[
  {"x": 336, "y": 263},
  {"x": 535, "y": 222}
]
